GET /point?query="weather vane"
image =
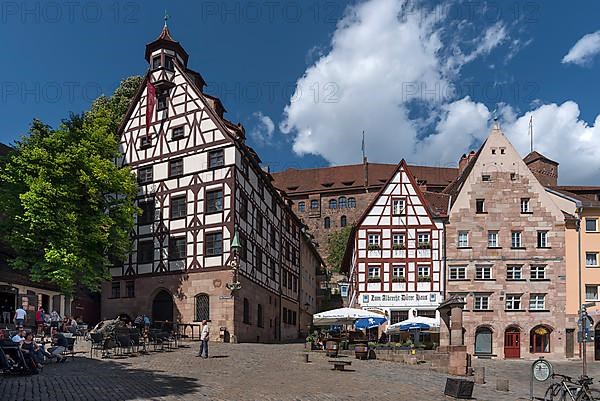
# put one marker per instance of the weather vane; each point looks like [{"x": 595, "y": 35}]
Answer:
[{"x": 167, "y": 17}]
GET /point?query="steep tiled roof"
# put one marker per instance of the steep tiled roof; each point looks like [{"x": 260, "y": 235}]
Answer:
[
  {"x": 533, "y": 156},
  {"x": 351, "y": 176},
  {"x": 437, "y": 202},
  {"x": 588, "y": 199},
  {"x": 4, "y": 149}
]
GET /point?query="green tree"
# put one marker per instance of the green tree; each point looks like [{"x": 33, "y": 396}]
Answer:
[
  {"x": 68, "y": 209},
  {"x": 336, "y": 244}
]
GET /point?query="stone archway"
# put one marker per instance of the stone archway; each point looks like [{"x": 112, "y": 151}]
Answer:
[
  {"x": 539, "y": 339},
  {"x": 162, "y": 307}
]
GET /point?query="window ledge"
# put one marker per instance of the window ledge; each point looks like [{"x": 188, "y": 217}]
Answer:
[
  {"x": 464, "y": 247},
  {"x": 516, "y": 279},
  {"x": 544, "y": 247},
  {"x": 539, "y": 310},
  {"x": 213, "y": 212},
  {"x": 526, "y": 212},
  {"x": 485, "y": 279},
  {"x": 515, "y": 310},
  {"x": 481, "y": 212},
  {"x": 482, "y": 310},
  {"x": 177, "y": 218},
  {"x": 540, "y": 279},
  {"x": 459, "y": 279},
  {"x": 518, "y": 248},
  {"x": 594, "y": 266},
  {"x": 494, "y": 247}
]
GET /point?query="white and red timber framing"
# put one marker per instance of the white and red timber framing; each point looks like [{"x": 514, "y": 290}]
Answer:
[{"x": 198, "y": 183}]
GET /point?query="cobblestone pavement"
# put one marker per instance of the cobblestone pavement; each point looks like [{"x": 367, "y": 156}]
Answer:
[{"x": 255, "y": 372}]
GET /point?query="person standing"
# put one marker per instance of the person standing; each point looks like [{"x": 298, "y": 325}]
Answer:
[
  {"x": 39, "y": 320},
  {"x": 54, "y": 319},
  {"x": 6, "y": 309},
  {"x": 204, "y": 335},
  {"x": 20, "y": 317}
]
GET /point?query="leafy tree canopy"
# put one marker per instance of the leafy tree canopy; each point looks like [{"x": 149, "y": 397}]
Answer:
[
  {"x": 68, "y": 209},
  {"x": 337, "y": 243}
]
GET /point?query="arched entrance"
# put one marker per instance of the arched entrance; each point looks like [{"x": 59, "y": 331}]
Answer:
[
  {"x": 539, "y": 339},
  {"x": 512, "y": 343},
  {"x": 162, "y": 307},
  {"x": 483, "y": 341}
]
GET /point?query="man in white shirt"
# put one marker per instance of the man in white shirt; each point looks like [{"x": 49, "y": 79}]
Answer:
[
  {"x": 204, "y": 334},
  {"x": 20, "y": 317}
]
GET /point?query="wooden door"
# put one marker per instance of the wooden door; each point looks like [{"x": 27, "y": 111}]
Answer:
[{"x": 512, "y": 344}]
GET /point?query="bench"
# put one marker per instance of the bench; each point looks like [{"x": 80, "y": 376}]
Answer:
[{"x": 340, "y": 365}]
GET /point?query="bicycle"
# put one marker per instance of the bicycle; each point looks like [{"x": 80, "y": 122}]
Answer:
[{"x": 569, "y": 390}]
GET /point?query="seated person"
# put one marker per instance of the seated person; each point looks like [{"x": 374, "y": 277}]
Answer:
[
  {"x": 33, "y": 351},
  {"x": 60, "y": 345},
  {"x": 19, "y": 337}
]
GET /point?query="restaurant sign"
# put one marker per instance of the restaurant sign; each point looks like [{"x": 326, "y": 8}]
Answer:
[{"x": 408, "y": 299}]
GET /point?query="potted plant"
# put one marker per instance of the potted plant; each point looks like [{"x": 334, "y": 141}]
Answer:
[
  {"x": 398, "y": 279},
  {"x": 424, "y": 279},
  {"x": 373, "y": 247},
  {"x": 424, "y": 245},
  {"x": 310, "y": 341},
  {"x": 398, "y": 247},
  {"x": 375, "y": 279}
]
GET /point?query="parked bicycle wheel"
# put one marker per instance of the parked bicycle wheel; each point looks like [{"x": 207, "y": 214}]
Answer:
[
  {"x": 555, "y": 393},
  {"x": 594, "y": 395}
]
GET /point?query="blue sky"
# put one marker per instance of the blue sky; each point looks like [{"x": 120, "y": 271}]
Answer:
[{"x": 422, "y": 79}]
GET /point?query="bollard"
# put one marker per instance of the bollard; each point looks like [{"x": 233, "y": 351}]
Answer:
[
  {"x": 480, "y": 375},
  {"x": 306, "y": 358},
  {"x": 502, "y": 384}
]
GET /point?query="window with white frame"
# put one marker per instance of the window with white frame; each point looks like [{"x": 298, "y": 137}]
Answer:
[
  {"x": 525, "y": 205},
  {"x": 591, "y": 225},
  {"x": 481, "y": 302},
  {"x": 516, "y": 239},
  {"x": 483, "y": 272},
  {"x": 374, "y": 272},
  {"x": 374, "y": 241},
  {"x": 513, "y": 302},
  {"x": 423, "y": 239},
  {"x": 542, "y": 239},
  {"x": 398, "y": 207},
  {"x": 493, "y": 239},
  {"x": 463, "y": 239},
  {"x": 591, "y": 259},
  {"x": 423, "y": 271},
  {"x": 514, "y": 272},
  {"x": 398, "y": 241},
  {"x": 458, "y": 272},
  {"x": 398, "y": 271},
  {"x": 537, "y": 301},
  {"x": 538, "y": 272},
  {"x": 591, "y": 292}
]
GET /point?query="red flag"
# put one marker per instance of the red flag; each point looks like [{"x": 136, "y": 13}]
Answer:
[{"x": 150, "y": 101}]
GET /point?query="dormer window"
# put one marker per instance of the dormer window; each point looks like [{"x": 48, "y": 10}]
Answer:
[
  {"x": 155, "y": 62},
  {"x": 169, "y": 63}
]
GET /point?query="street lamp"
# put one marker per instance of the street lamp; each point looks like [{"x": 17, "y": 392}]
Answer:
[{"x": 235, "y": 262}]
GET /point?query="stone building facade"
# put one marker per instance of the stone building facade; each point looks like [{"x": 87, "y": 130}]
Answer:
[
  {"x": 505, "y": 248},
  {"x": 199, "y": 185}
]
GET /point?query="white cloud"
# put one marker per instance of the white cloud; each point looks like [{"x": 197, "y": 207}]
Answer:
[
  {"x": 383, "y": 68},
  {"x": 262, "y": 132},
  {"x": 561, "y": 135},
  {"x": 584, "y": 50}
]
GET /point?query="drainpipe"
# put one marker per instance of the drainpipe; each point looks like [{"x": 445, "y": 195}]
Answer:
[{"x": 583, "y": 344}]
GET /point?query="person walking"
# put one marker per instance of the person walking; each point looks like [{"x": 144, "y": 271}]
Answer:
[
  {"x": 20, "y": 317},
  {"x": 39, "y": 321},
  {"x": 204, "y": 334}
]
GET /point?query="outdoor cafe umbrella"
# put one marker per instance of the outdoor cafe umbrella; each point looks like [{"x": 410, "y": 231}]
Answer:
[
  {"x": 369, "y": 322},
  {"x": 342, "y": 316},
  {"x": 414, "y": 323}
]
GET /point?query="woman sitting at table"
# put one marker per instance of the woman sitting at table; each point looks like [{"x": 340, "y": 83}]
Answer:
[{"x": 33, "y": 350}]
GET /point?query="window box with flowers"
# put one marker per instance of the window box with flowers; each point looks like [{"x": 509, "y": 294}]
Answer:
[
  {"x": 374, "y": 247},
  {"x": 424, "y": 245},
  {"x": 374, "y": 279},
  {"x": 398, "y": 247},
  {"x": 424, "y": 279},
  {"x": 399, "y": 279}
]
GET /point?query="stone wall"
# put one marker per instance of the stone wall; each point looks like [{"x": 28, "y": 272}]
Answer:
[{"x": 502, "y": 198}]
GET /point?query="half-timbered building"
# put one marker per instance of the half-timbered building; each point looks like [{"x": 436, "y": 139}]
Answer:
[
  {"x": 394, "y": 258},
  {"x": 198, "y": 184}
]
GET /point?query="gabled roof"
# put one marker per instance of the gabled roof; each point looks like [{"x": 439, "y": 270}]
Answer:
[
  {"x": 533, "y": 156},
  {"x": 585, "y": 199},
  {"x": 426, "y": 197}
]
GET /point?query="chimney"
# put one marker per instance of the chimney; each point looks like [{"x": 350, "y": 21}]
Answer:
[{"x": 464, "y": 161}]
